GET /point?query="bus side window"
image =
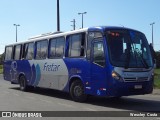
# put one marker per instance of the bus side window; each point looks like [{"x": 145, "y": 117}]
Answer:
[
  {"x": 56, "y": 47},
  {"x": 8, "y": 53},
  {"x": 98, "y": 53},
  {"x": 41, "y": 49},
  {"x": 52, "y": 48},
  {"x": 60, "y": 47},
  {"x": 29, "y": 51},
  {"x": 92, "y": 36},
  {"x": 17, "y": 52},
  {"x": 76, "y": 45},
  {"x": 83, "y": 44},
  {"x": 25, "y": 47},
  {"x": 89, "y": 40}
]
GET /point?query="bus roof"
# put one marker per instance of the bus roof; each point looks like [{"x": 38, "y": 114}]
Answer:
[
  {"x": 56, "y": 34},
  {"x": 59, "y": 34}
]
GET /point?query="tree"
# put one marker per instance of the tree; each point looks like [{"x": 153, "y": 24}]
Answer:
[
  {"x": 1, "y": 58},
  {"x": 158, "y": 59}
]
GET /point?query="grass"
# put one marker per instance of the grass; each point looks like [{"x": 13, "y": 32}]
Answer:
[
  {"x": 157, "y": 78},
  {"x": 1, "y": 69}
]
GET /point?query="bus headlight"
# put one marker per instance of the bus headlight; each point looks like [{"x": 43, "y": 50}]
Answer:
[{"x": 116, "y": 75}]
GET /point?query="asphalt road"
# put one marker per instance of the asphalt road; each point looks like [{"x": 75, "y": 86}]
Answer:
[{"x": 12, "y": 99}]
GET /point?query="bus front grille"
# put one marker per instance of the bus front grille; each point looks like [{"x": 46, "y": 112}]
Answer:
[{"x": 136, "y": 79}]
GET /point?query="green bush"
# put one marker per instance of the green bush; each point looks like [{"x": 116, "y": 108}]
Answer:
[
  {"x": 157, "y": 78},
  {"x": 1, "y": 66},
  {"x": 1, "y": 69}
]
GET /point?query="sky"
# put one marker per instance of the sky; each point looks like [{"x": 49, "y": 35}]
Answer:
[{"x": 36, "y": 17}]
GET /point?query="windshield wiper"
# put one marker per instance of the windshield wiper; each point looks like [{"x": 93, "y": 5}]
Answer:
[
  {"x": 143, "y": 61},
  {"x": 128, "y": 58}
]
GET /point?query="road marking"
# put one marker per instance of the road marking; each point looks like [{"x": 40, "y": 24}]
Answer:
[{"x": 66, "y": 105}]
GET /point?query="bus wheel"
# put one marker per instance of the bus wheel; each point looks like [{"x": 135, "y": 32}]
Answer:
[
  {"x": 22, "y": 83},
  {"x": 77, "y": 91}
]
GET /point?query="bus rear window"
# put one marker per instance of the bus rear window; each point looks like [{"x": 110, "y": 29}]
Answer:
[{"x": 8, "y": 53}]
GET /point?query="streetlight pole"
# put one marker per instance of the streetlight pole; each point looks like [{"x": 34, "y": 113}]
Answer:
[
  {"x": 58, "y": 17},
  {"x": 82, "y": 16},
  {"x": 16, "y": 30},
  {"x": 152, "y": 34}
]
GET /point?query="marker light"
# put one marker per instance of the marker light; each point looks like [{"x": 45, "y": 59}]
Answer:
[{"x": 114, "y": 34}]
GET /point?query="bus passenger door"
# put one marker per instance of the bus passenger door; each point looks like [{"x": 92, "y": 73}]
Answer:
[{"x": 98, "y": 72}]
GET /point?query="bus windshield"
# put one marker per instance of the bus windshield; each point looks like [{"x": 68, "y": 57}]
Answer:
[{"x": 128, "y": 49}]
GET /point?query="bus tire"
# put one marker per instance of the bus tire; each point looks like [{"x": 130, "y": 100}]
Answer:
[
  {"x": 77, "y": 91},
  {"x": 22, "y": 83},
  {"x": 116, "y": 98}
]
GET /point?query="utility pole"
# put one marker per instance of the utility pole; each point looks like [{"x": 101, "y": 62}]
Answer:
[
  {"x": 152, "y": 34},
  {"x": 58, "y": 17},
  {"x": 74, "y": 24}
]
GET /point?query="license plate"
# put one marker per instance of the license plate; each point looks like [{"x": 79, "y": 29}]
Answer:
[{"x": 138, "y": 87}]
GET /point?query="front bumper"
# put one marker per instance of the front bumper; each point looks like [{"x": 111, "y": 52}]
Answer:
[{"x": 129, "y": 88}]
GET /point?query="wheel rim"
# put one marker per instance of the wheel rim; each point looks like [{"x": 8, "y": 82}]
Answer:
[{"x": 78, "y": 91}]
